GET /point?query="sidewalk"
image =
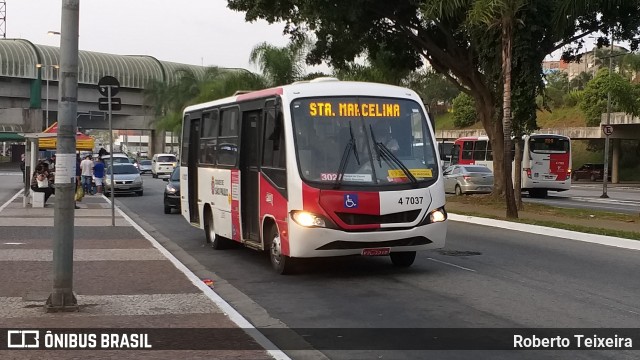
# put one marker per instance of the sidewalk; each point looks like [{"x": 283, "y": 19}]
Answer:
[{"x": 121, "y": 280}]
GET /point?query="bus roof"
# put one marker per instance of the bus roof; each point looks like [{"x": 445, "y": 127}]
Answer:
[{"x": 316, "y": 87}]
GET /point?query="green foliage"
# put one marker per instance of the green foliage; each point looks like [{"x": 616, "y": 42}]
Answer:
[
  {"x": 624, "y": 96},
  {"x": 280, "y": 65},
  {"x": 580, "y": 82},
  {"x": 464, "y": 111},
  {"x": 572, "y": 98},
  {"x": 434, "y": 89}
]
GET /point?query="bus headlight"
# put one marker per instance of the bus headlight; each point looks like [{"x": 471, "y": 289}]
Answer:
[
  {"x": 437, "y": 215},
  {"x": 307, "y": 219}
]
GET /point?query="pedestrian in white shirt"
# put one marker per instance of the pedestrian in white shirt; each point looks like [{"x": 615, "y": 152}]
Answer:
[{"x": 87, "y": 173}]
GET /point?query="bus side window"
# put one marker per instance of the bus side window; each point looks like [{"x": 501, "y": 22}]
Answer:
[
  {"x": 227, "y": 146},
  {"x": 455, "y": 154},
  {"x": 489, "y": 152},
  {"x": 210, "y": 126},
  {"x": 480, "y": 150},
  {"x": 273, "y": 149},
  {"x": 273, "y": 154},
  {"x": 467, "y": 150}
]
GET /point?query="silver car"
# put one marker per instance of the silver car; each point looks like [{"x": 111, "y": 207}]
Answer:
[
  {"x": 144, "y": 166},
  {"x": 465, "y": 179},
  {"x": 126, "y": 178}
]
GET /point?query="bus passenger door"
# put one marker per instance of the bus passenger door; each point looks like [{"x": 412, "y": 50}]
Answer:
[
  {"x": 192, "y": 164},
  {"x": 249, "y": 191}
]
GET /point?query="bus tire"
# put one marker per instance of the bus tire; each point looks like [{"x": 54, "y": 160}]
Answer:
[
  {"x": 282, "y": 264},
  {"x": 217, "y": 242},
  {"x": 458, "y": 190},
  {"x": 538, "y": 193},
  {"x": 403, "y": 258}
]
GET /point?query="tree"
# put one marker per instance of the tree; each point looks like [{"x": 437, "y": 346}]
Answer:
[
  {"x": 624, "y": 96},
  {"x": 435, "y": 90},
  {"x": 280, "y": 65},
  {"x": 464, "y": 112},
  {"x": 347, "y": 29}
]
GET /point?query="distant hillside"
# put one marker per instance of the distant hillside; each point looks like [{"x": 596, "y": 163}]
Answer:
[{"x": 557, "y": 118}]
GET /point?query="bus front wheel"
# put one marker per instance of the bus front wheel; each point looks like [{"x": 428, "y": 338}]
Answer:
[
  {"x": 281, "y": 263},
  {"x": 403, "y": 259}
]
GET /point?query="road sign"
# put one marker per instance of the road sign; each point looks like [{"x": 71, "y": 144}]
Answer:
[
  {"x": 103, "y": 104},
  {"x": 108, "y": 81},
  {"x": 607, "y": 129}
]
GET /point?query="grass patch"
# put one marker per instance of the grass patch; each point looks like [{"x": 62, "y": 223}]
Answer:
[
  {"x": 444, "y": 121},
  {"x": 583, "y": 214},
  {"x": 558, "y": 225},
  {"x": 561, "y": 118}
]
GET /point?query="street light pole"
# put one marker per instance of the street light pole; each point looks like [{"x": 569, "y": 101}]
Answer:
[
  {"x": 62, "y": 297},
  {"x": 605, "y": 175}
]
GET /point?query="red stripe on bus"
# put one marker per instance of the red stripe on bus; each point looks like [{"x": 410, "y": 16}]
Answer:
[
  {"x": 260, "y": 94},
  {"x": 273, "y": 204}
]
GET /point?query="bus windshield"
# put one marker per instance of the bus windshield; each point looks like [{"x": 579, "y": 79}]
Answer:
[
  {"x": 364, "y": 141},
  {"x": 548, "y": 145}
]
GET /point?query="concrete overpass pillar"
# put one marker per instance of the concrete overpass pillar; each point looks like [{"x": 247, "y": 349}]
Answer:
[
  {"x": 156, "y": 142},
  {"x": 615, "y": 161}
]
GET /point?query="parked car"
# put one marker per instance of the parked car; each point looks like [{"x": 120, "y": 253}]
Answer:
[
  {"x": 172, "y": 192},
  {"x": 163, "y": 164},
  {"x": 465, "y": 179},
  {"x": 144, "y": 166},
  {"x": 126, "y": 179},
  {"x": 593, "y": 172}
]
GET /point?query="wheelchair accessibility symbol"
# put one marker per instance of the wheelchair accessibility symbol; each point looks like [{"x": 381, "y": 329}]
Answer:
[{"x": 351, "y": 201}]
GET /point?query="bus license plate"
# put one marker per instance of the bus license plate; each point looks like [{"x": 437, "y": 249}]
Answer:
[{"x": 376, "y": 252}]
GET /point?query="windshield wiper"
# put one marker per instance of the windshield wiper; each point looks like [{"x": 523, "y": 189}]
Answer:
[
  {"x": 383, "y": 151},
  {"x": 351, "y": 145}
]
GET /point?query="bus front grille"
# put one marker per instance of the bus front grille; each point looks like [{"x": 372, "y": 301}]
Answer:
[{"x": 364, "y": 219}]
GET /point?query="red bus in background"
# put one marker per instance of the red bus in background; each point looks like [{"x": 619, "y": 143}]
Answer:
[{"x": 546, "y": 160}]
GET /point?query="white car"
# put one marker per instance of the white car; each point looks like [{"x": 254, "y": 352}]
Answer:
[{"x": 163, "y": 164}]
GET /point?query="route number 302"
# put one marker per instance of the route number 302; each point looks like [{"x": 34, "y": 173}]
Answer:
[{"x": 410, "y": 200}]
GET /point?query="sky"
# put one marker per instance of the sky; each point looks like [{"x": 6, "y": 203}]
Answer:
[{"x": 198, "y": 32}]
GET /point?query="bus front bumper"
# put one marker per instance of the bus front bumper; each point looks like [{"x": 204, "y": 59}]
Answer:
[{"x": 322, "y": 242}]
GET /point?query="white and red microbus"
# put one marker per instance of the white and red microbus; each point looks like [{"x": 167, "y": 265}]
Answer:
[
  {"x": 315, "y": 169},
  {"x": 546, "y": 160}
]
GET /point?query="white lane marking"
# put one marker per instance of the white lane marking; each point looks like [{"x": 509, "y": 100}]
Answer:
[
  {"x": 11, "y": 200},
  {"x": 606, "y": 201},
  {"x": 13, "y": 243},
  {"x": 547, "y": 231},
  {"x": 450, "y": 264},
  {"x": 233, "y": 315}
]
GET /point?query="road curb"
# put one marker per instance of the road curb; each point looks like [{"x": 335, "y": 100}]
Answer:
[
  {"x": 233, "y": 315},
  {"x": 546, "y": 231}
]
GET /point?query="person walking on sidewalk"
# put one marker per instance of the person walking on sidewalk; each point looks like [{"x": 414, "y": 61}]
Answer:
[
  {"x": 86, "y": 167},
  {"x": 98, "y": 174}
]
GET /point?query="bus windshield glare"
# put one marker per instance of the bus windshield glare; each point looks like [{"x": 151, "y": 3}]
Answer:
[{"x": 363, "y": 141}]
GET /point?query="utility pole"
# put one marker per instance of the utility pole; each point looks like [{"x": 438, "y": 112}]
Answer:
[
  {"x": 62, "y": 297},
  {"x": 606, "y": 139}
]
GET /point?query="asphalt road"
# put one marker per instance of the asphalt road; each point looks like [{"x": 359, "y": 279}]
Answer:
[
  {"x": 485, "y": 277},
  {"x": 587, "y": 196}
]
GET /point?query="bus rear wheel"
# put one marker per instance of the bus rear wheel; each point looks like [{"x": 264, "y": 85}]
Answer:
[
  {"x": 217, "y": 242},
  {"x": 538, "y": 193},
  {"x": 403, "y": 258},
  {"x": 281, "y": 263}
]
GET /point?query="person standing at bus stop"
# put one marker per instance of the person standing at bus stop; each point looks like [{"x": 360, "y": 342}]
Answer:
[
  {"x": 98, "y": 174},
  {"x": 86, "y": 167}
]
